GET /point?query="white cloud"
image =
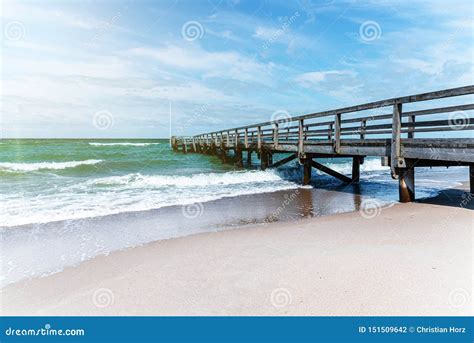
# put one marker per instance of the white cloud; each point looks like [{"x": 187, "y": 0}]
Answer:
[
  {"x": 318, "y": 77},
  {"x": 31, "y": 13},
  {"x": 221, "y": 64}
]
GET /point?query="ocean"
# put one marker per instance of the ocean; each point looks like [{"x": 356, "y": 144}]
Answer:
[{"x": 64, "y": 201}]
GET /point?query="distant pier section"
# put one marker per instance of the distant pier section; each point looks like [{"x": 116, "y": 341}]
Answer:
[{"x": 424, "y": 130}]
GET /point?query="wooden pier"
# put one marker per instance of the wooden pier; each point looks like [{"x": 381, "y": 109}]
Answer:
[{"x": 435, "y": 135}]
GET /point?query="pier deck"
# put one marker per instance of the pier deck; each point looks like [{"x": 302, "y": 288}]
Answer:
[{"x": 436, "y": 132}]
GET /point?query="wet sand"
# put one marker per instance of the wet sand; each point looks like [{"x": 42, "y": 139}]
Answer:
[{"x": 408, "y": 259}]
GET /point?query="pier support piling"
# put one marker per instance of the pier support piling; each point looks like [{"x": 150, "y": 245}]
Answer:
[
  {"x": 356, "y": 161},
  {"x": 238, "y": 158},
  {"x": 249, "y": 157},
  {"x": 406, "y": 184},
  {"x": 471, "y": 178},
  {"x": 307, "y": 166},
  {"x": 264, "y": 159}
]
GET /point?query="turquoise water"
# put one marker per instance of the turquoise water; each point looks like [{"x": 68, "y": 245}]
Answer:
[
  {"x": 66, "y": 201},
  {"x": 51, "y": 180},
  {"x": 60, "y": 179}
]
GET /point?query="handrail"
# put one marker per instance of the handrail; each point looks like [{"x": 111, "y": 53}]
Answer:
[{"x": 459, "y": 91}]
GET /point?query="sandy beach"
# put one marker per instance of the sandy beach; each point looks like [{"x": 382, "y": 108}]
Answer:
[{"x": 407, "y": 259}]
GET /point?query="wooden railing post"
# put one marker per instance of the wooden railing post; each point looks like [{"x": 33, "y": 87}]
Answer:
[
  {"x": 185, "y": 146},
  {"x": 246, "y": 138},
  {"x": 396, "y": 160},
  {"x": 259, "y": 138},
  {"x": 330, "y": 132},
  {"x": 337, "y": 133},
  {"x": 301, "y": 153},
  {"x": 236, "y": 143},
  {"x": 411, "y": 129},
  {"x": 363, "y": 126},
  {"x": 228, "y": 139},
  {"x": 275, "y": 136}
]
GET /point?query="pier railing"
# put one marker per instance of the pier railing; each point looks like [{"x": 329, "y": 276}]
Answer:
[{"x": 386, "y": 128}]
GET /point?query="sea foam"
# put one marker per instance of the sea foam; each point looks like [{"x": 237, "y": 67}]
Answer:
[
  {"x": 122, "y": 144},
  {"x": 25, "y": 167}
]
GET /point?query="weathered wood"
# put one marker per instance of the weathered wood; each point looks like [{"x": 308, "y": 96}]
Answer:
[
  {"x": 264, "y": 159},
  {"x": 471, "y": 178},
  {"x": 337, "y": 133},
  {"x": 239, "y": 158},
  {"x": 308, "y": 138},
  {"x": 411, "y": 129},
  {"x": 406, "y": 184},
  {"x": 301, "y": 152},
  {"x": 446, "y": 93},
  {"x": 283, "y": 161},
  {"x": 307, "y": 164},
  {"x": 331, "y": 172},
  {"x": 396, "y": 160},
  {"x": 185, "y": 147},
  {"x": 363, "y": 126},
  {"x": 275, "y": 135},
  {"x": 236, "y": 143}
]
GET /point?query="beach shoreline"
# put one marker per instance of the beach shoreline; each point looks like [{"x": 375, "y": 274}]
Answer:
[{"x": 407, "y": 259}]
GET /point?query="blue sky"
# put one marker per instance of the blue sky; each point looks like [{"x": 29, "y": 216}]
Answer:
[{"x": 117, "y": 68}]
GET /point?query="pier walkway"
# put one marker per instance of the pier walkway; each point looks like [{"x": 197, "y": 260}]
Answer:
[{"x": 424, "y": 130}]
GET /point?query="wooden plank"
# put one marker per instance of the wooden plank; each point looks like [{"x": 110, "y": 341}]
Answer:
[
  {"x": 331, "y": 172},
  {"x": 275, "y": 135},
  {"x": 301, "y": 152},
  {"x": 411, "y": 129},
  {"x": 363, "y": 126},
  {"x": 453, "y": 92},
  {"x": 246, "y": 138},
  {"x": 396, "y": 160},
  {"x": 429, "y": 111},
  {"x": 440, "y": 154},
  {"x": 284, "y": 161},
  {"x": 337, "y": 133}
]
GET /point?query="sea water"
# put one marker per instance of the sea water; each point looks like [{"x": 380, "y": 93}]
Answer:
[{"x": 64, "y": 201}]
